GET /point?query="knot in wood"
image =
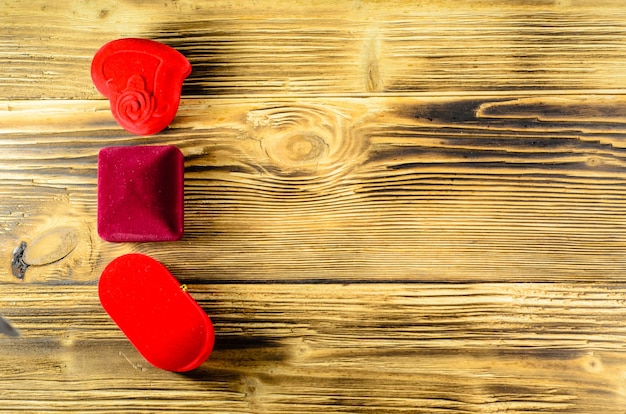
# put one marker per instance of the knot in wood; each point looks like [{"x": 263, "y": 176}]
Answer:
[
  {"x": 305, "y": 140},
  {"x": 304, "y": 149},
  {"x": 51, "y": 246}
]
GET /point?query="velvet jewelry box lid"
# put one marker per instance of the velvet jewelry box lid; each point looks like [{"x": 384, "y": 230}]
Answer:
[
  {"x": 156, "y": 313},
  {"x": 141, "y": 193},
  {"x": 143, "y": 81}
]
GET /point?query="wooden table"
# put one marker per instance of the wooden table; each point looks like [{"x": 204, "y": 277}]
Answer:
[{"x": 391, "y": 207}]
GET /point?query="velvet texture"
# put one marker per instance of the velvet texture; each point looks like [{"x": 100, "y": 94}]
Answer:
[
  {"x": 140, "y": 193},
  {"x": 161, "y": 319},
  {"x": 143, "y": 80}
]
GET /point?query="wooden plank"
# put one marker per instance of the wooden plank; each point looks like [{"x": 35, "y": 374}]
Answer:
[
  {"x": 391, "y": 206},
  {"x": 322, "y": 47},
  {"x": 488, "y": 347},
  {"x": 526, "y": 188}
]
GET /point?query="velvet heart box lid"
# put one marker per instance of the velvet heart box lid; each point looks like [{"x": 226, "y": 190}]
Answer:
[
  {"x": 156, "y": 313},
  {"x": 143, "y": 80}
]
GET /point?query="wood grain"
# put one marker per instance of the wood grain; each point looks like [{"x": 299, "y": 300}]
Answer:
[
  {"x": 452, "y": 189},
  {"x": 390, "y": 207},
  {"x": 320, "y": 348},
  {"x": 321, "y": 47}
]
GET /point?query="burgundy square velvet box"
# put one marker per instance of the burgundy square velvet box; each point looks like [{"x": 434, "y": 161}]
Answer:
[{"x": 140, "y": 193}]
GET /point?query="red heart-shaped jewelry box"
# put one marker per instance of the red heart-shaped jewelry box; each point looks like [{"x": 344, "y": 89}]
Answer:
[
  {"x": 156, "y": 313},
  {"x": 143, "y": 80}
]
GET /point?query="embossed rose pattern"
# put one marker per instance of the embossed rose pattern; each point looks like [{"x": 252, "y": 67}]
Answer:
[{"x": 135, "y": 104}]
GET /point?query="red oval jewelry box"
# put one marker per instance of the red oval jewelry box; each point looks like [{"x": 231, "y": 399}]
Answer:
[{"x": 156, "y": 313}]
